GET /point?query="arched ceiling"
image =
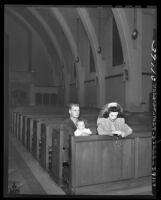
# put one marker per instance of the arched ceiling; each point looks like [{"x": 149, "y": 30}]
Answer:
[{"x": 57, "y": 26}]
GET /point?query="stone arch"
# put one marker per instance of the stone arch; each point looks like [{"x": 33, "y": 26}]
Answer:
[
  {"x": 70, "y": 38},
  {"x": 131, "y": 56},
  {"x": 50, "y": 33},
  {"x": 124, "y": 34},
  {"x": 86, "y": 21},
  {"x": 128, "y": 52},
  {"x": 29, "y": 28}
]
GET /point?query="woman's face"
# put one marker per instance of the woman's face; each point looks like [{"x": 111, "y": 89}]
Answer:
[{"x": 113, "y": 115}]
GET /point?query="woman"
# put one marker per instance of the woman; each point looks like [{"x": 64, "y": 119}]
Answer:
[{"x": 111, "y": 121}]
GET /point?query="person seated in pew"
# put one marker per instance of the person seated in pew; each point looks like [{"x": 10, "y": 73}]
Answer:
[
  {"x": 104, "y": 111},
  {"x": 69, "y": 126},
  {"x": 111, "y": 121},
  {"x": 81, "y": 129},
  {"x": 74, "y": 116}
]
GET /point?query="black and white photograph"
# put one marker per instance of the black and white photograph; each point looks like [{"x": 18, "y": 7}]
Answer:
[{"x": 81, "y": 99}]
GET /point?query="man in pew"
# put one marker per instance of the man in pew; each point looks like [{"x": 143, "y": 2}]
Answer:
[
  {"x": 74, "y": 113},
  {"x": 68, "y": 127}
]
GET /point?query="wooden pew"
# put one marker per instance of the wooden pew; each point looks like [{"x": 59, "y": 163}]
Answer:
[
  {"x": 14, "y": 123},
  {"x": 97, "y": 161},
  {"x": 45, "y": 110},
  {"x": 28, "y": 127},
  {"x": 41, "y": 109},
  {"x": 37, "y": 110},
  {"x": 57, "y": 155},
  {"x": 60, "y": 152},
  {"x": 24, "y": 128},
  {"x": 35, "y": 135},
  {"x": 38, "y": 132},
  {"x": 18, "y": 121},
  {"x": 45, "y": 149}
]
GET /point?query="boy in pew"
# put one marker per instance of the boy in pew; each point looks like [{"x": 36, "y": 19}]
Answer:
[{"x": 81, "y": 129}]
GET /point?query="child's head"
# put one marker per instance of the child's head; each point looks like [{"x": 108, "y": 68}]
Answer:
[{"x": 80, "y": 124}]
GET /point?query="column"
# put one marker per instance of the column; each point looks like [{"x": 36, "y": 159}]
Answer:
[{"x": 31, "y": 95}]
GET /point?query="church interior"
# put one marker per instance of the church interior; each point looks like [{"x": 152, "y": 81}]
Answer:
[{"x": 90, "y": 55}]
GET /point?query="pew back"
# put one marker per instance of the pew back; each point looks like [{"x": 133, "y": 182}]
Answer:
[{"x": 97, "y": 160}]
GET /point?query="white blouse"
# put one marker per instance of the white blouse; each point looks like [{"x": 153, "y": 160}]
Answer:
[
  {"x": 83, "y": 132},
  {"x": 105, "y": 126}
]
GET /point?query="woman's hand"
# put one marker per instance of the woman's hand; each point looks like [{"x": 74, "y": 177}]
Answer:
[{"x": 117, "y": 133}]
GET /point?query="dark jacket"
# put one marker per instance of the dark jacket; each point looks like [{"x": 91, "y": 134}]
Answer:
[{"x": 68, "y": 127}]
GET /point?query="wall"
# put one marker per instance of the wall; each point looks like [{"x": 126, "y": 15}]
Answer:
[
  {"x": 114, "y": 84},
  {"x": 73, "y": 93},
  {"x": 106, "y": 41},
  {"x": 18, "y": 45},
  {"x": 115, "y": 90},
  {"x": 60, "y": 97},
  {"x": 19, "y": 94},
  {"x": 90, "y": 93},
  {"x": 18, "y": 61},
  {"x": 129, "y": 13},
  {"x": 149, "y": 23},
  {"x": 41, "y": 63},
  {"x": 26, "y": 52},
  {"x": 20, "y": 52},
  {"x": 83, "y": 46}
]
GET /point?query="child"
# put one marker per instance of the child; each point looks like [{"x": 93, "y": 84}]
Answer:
[{"x": 81, "y": 130}]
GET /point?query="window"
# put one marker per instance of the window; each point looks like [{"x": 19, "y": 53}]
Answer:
[
  {"x": 91, "y": 62},
  {"x": 117, "y": 54},
  {"x": 46, "y": 99}
]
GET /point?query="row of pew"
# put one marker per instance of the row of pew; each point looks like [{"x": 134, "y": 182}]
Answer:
[
  {"x": 93, "y": 162},
  {"x": 34, "y": 128}
]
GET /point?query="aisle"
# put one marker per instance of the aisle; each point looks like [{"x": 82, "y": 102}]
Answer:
[{"x": 26, "y": 172}]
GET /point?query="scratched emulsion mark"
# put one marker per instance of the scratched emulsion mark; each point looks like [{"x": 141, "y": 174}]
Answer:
[{"x": 153, "y": 67}]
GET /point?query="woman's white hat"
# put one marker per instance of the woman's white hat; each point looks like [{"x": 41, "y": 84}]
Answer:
[
  {"x": 107, "y": 106},
  {"x": 112, "y": 104}
]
